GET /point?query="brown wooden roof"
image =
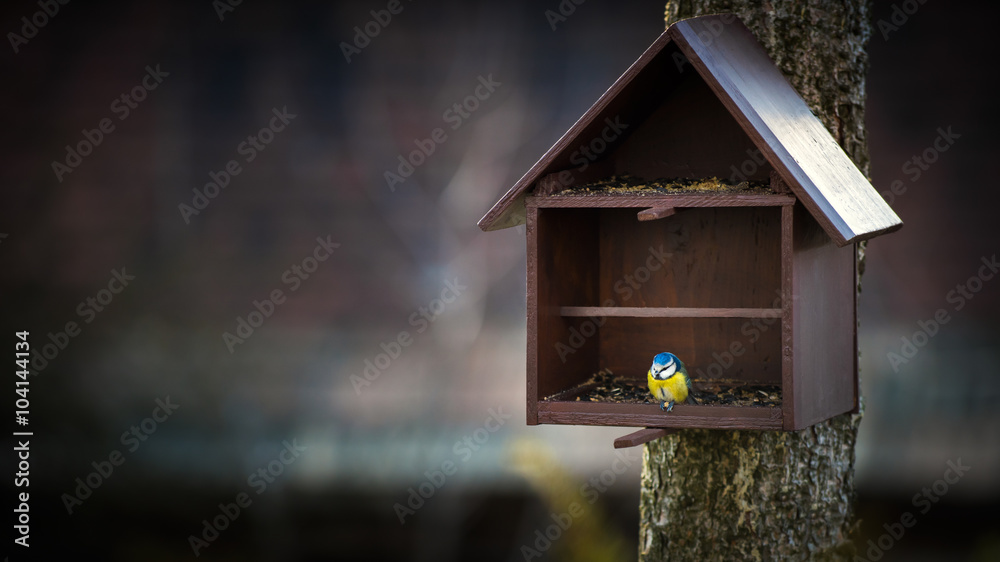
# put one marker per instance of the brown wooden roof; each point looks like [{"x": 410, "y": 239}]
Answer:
[{"x": 740, "y": 73}]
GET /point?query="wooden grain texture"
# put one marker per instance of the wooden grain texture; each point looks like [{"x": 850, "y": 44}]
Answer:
[
  {"x": 856, "y": 371},
  {"x": 689, "y": 135},
  {"x": 788, "y": 322},
  {"x": 565, "y": 179},
  {"x": 656, "y": 213},
  {"x": 823, "y": 324},
  {"x": 701, "y": 258},
  {"x": 703, "y": 284},
  {"x": 565, "y": 271},
  {"x": 707, "y": 346},
  {"x": 664, "y": 127},
  {"x": 778, "y": 185},
  {"x": 794, "y": 141},
  {"x": 650, "y": 415},
  {"x": 548, "y": 185},
  {"x": 654, "y": 312},
  {"x": 758, "y": 273},
  {"x": 680, "y": 200},
  {"x": 649, "y": 80},
  {"x": 642, "y": 437},
  {"x": 770, "y": 495},
  {"x": 531, "y": 367}
]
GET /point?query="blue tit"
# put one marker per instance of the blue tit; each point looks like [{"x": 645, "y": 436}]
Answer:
[{"x": 668, "y": 380}]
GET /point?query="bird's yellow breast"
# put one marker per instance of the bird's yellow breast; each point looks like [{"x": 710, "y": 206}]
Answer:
[{"x": 673, "y": 389}]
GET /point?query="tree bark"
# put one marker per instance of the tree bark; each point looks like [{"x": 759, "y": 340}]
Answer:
[{"x": 745, "y": 495}]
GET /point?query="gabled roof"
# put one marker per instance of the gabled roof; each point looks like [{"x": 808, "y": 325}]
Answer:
[{"x": 771, "y": 113}]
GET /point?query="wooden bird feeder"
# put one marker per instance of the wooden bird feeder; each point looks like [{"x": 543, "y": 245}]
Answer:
[{"x": 697, "y": 207}]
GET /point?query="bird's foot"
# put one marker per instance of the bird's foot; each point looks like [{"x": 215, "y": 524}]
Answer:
[
  {"x": 661, "y": 404},
  {"x": 670, "y": 407}
]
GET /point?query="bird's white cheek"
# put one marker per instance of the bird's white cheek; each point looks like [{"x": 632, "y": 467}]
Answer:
[{"x": 671, "y": 369}]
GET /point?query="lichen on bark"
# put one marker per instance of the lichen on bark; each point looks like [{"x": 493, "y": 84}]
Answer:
[{"x": 746, "y": 495}]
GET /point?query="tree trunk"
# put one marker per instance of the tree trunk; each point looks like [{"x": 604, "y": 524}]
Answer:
[{"x": 745, "y": 495}]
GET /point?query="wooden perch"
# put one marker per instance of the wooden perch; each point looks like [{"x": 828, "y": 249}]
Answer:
[
  {"x": 654, "y": 213},
  {"x": 642, "y": 436}
]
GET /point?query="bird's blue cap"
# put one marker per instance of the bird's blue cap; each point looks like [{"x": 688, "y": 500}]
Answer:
[{"x": 664, "y": 359}]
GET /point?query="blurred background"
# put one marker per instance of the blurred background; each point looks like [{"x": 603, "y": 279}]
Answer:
[{"x": 315, "y": 362}]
